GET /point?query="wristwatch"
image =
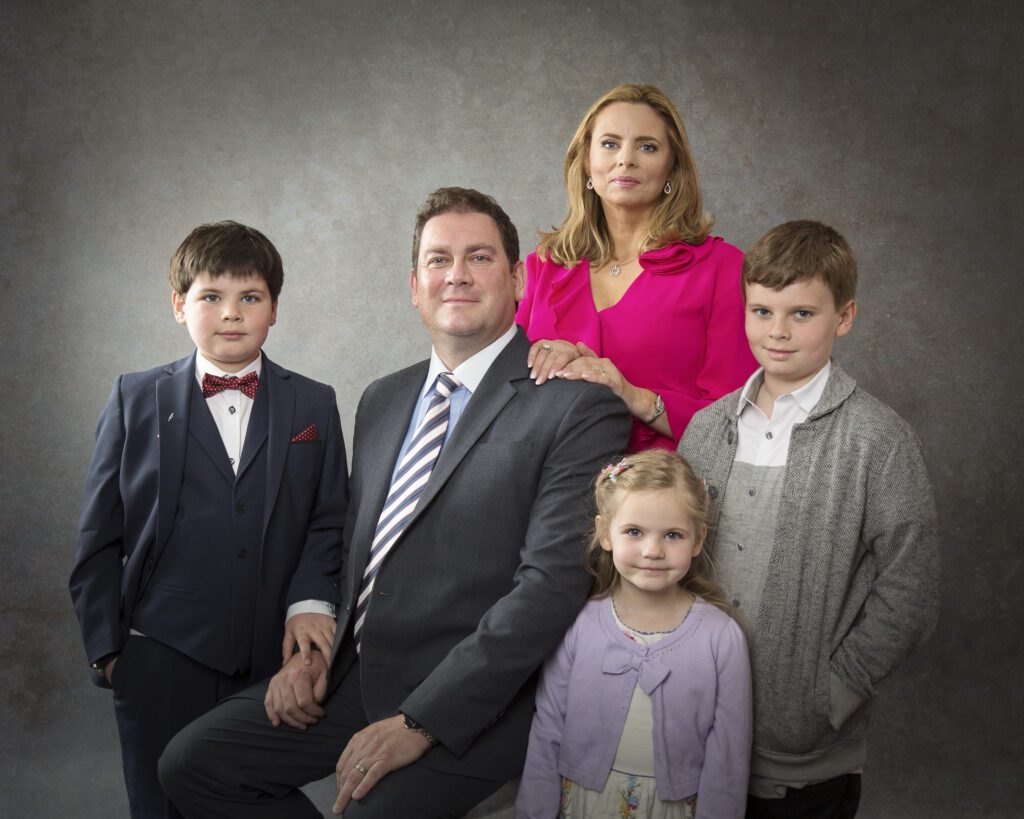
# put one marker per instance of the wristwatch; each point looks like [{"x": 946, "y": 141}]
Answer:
[{"x": 415, "y": 727}]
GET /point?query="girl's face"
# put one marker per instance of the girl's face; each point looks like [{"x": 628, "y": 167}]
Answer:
[{"x": 652, "y": 539}]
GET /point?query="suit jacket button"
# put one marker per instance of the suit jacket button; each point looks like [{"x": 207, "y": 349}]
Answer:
[
  {"x": 240, "y": 508},
  {"x": 242, "y": 553}
]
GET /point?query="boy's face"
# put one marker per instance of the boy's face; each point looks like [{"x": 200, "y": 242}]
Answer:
[
  {"x": 791, "y": 331},
  {"x": 228, "y": 318}
]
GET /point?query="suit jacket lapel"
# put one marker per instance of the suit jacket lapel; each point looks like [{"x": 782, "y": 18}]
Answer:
[
  {"x": 173, "y": 395},
  {"x": 379, "y": 446},
  {"x": 281, "y": 400},
  {"x": 494, "y": 392}
]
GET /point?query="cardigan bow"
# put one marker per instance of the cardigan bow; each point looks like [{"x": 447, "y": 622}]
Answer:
[{"x": 619, "y": 659}]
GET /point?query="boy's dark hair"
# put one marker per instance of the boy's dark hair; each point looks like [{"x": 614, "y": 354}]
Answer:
[
  {"x": 226, "y": 249},
  {"x": 800, "y": 250},
  {"x": 466, "y": 200}
]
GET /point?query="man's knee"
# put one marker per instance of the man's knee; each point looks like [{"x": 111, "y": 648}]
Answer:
[{"x": 182, "y": 763}]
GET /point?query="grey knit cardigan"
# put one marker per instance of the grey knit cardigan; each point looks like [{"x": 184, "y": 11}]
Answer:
[{"x": 852, "y": 585}]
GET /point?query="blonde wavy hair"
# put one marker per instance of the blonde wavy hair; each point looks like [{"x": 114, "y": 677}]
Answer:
[
  {"x": 646, "y": 471},
  {"x": 679, "y": 216}
]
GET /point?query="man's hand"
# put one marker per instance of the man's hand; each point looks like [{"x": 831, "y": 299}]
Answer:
[
  {"x": 374, "y": 752},
  {"x": 296, "y": 691},
  {"x": 306, "y": 629}
]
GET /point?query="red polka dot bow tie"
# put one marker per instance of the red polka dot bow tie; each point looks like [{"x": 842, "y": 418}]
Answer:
[{"x": 247, "y": 384}]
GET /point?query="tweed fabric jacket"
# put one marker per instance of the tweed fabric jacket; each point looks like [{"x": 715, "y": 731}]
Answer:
[{"x": 852, "y": 584}]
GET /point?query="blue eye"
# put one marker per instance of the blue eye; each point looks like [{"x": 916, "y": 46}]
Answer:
[
  {"x": 212, "y": 298},
  {"x": 761, "y": 312},
  {"x": 632, "y": 531},
  {"x": 649, "y": 147},
  {"x": 803, "y": 314},
  {"x": 609, "y": 144},
  {"x": 250, "y": 298}
]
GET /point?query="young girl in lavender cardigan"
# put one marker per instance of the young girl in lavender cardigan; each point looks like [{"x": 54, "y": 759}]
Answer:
[{"x": 645, "y": 708}]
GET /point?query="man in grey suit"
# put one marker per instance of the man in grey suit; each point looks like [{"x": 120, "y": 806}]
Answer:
[{"x": 460, "y": 574}]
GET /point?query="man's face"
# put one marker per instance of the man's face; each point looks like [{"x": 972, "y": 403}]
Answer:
[{"x": 463, "y": 285}]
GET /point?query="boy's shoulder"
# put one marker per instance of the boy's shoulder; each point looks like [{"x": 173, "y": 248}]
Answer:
[{"x": 860, "y": 410}]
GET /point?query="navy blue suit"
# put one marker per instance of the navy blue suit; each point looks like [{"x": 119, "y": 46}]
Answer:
[{"x": 204, "y": 562}]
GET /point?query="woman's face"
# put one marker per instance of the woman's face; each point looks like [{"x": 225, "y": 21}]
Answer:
[{"x": 630, "y": 156}]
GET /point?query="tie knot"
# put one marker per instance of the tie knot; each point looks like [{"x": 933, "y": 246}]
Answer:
[{"x": 446, "y": 384}]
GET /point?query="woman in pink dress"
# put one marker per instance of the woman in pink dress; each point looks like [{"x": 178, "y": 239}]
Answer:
[{"x": 632, "y": 291}]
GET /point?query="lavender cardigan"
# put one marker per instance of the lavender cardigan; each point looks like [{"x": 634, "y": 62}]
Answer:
[{"x": 698, "y": 679}]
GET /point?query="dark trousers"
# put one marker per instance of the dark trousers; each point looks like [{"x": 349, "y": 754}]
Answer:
[
  {"x": 233, "y": 763},
  {"x": 832, "y": 799},
  {"x": 157, "y": 692}
]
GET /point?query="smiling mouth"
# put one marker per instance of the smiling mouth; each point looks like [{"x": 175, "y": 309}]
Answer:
[{"x": 626, "y": 181}]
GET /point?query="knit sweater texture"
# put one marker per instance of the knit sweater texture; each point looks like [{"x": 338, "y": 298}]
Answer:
[{"x": 852, "y": 583}]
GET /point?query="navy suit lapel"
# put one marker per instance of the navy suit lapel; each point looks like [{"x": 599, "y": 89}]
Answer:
[
  {"x": 173, "y": 396},
  {"x": 281, "y": 407},
  {"x": 256, "y": 431}
]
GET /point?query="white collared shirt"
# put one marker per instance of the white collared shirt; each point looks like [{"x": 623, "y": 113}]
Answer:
[
  {"x": 764, "y": 441},
  {"x": 470, "y": 373},
  {"x": 230, "y": 409}
]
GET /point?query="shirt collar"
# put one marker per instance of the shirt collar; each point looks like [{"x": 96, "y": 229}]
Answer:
[
  {"x": 471, "y": 371},
  {"x": 806, "y": 397},
  {"x": 204, "y": 366}
]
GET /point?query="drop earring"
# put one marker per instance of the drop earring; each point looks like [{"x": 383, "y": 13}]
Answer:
[
  {"x": 668, "y": 187},
  {"x": 590, "y": 183}
]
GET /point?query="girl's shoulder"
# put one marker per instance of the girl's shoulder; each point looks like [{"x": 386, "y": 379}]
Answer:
[{"x": 714, "y": 618}]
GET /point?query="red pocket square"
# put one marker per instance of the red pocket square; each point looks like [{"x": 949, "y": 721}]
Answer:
[{"x": 308, "y": 434}]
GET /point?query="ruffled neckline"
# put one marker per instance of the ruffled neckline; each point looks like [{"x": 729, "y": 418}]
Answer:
[{"x": 572, "y": 302}]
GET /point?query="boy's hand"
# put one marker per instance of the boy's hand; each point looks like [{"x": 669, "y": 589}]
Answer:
[
  {"x": 304, "y": 630},
  {"x": 296, "y": 691}
]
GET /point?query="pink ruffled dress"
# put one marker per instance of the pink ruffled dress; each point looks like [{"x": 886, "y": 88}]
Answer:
[{"x": 678, "y": 329}]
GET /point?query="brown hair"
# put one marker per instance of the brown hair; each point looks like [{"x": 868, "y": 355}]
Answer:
[
  {"x": 650, "y": 470},
  {"x": 466, "y": 200},
  {"x": 801, "y": 250},
  {"x": 678, "y": 217},
  {"x": 226, "y": 249}
]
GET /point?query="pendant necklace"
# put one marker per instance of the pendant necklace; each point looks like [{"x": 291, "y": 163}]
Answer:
[{"x": 616, "y": 268}]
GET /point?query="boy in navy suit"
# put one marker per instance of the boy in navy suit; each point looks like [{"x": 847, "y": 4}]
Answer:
[{"x": 214, "y": 507}]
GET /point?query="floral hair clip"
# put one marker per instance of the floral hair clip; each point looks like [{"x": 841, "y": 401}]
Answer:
[{"x": 612, "y": 471}]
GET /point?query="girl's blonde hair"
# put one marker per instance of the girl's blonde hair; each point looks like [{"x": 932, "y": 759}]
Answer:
[
  {"x": 679, "y": 216},
  {"x": 651, "y": 470}
]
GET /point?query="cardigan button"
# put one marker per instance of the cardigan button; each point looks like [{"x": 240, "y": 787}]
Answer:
[{"x": 712, "y": 492}]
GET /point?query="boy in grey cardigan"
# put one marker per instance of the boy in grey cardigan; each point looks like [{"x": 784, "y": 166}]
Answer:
[{"x": 822, "y": 526}]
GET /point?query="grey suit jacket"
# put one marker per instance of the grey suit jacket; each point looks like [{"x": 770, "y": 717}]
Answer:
[{"x": 489, "y": 574}]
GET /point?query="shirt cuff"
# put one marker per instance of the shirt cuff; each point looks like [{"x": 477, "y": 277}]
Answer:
[{"x": 310, "y": 607}]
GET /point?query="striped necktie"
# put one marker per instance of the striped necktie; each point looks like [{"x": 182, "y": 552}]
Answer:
[{"x": 406, "y": 487}]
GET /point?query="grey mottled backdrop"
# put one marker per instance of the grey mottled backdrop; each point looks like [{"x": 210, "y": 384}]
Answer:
[{"x": 326, "y": 123}]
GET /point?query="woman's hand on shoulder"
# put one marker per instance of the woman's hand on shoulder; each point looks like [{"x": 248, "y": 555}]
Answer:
[
  {"x": 548, "y": 356},
  {"x": 589, "y": 366}
]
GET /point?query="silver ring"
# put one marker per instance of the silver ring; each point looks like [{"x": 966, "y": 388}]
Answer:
[
  {"x": 603, "y": 372},
  {"x": 545, "y": 346},
  {"x": 359, "y": 767}
]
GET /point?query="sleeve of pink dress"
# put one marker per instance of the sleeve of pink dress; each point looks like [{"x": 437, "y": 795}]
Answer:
[{"x": 678, "y": 330}]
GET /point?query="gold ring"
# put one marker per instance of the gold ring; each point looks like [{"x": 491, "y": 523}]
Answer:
[{"x": 359, "y": 767}]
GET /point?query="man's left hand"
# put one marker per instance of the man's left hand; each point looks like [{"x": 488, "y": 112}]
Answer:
[{"x": 373, "y": 753}]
